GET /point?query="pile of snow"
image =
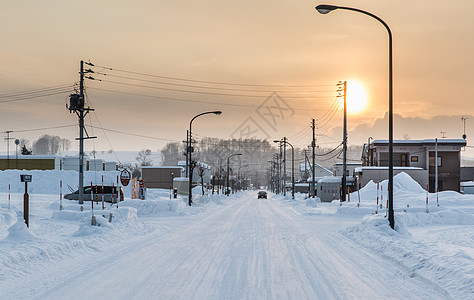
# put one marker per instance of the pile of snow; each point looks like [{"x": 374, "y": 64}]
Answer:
[{"x": 48, "y": 182}]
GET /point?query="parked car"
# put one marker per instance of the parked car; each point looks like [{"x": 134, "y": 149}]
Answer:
[
  {"x": 262, "y": 194},
  {"x": 110, "y": 193}
]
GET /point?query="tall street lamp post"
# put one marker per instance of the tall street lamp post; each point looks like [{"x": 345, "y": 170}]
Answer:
[
  {"x": 227, "y": 183},
  {"x": 325, "y": 9},
  {"x": 189, "y": 151},
  {"x": 292, "y": 165}
]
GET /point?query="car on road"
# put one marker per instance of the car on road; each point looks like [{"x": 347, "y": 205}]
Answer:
[
  {"x": 262, "y": 194},
  {"x": 110, "y": 193}
]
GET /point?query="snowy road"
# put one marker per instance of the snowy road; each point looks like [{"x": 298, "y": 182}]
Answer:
[{"x": 245, "y": 249}]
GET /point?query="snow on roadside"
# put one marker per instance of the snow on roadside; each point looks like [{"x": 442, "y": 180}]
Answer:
[{"x": 436, "y": 245}]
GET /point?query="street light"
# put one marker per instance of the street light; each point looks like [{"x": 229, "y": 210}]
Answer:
[
  {"x": 292, "y": 166},
  {"x": 188, "y": 156},
  {"x": 227, "y": 184},
  {"x": 324, "y": 9}
]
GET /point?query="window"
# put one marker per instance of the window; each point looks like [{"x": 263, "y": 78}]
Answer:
[
  {"x": 414, "y": 159},
  {"x": 432, "y": 161}
]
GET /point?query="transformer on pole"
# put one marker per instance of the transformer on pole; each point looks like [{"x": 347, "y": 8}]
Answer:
[{"x": 76, "y": 104}]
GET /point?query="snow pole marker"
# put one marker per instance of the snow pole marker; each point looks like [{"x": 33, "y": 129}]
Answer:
[
  {"x": 437, "y": 191},
  {"x": 60, "y": 195},
  {"x": 381, "y": 196},
  {"x": 117, "y": 190},
  {"x": 386, "y": 206},
  {"x": 93, "y": 221},
  {"x": 103, "y": 207},
  {"x": 377, "y": 207},
  {"x": 427, "y": 194},
  {"x": 8, "y": 196}
]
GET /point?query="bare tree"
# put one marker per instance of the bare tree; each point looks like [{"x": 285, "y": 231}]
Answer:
[
  {"x": 49, "y": 144},
  {"x": 144, "y": 158},
  {"x": 201, "y": 172}
]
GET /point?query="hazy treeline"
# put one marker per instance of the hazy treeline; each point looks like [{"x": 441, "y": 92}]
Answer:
[{"x": 255, "y": 159}]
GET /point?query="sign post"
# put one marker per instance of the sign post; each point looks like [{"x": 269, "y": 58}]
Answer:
[
  {"x": 125, "y": 177},
  {"x": 26, "y": 198}
]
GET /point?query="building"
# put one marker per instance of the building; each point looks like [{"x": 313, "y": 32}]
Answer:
[
  {"x": 350, "y": 167},
  {"x": 320, "y": 171},
  {"x": 160, "y": 177},
  {"x": 420, "y": 154},
  {"x": 30, "y": 162},
  {"x": 329, "y": 188}
]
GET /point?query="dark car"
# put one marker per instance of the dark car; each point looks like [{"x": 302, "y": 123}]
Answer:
[
  {"x": 262, "y": 194},
  {"x": 110, "y": 193}
]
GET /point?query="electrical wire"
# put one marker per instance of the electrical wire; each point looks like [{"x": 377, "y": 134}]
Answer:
[
  {"x": 44, "y": 128},
  {"x": 330, "y": 151},
  {"x": 203, "y": 81},
  {"x": 200, "y": 92},
  {"x": 136, "y": 135},
  {"x": 205, "y": 87},
  {"x": 189, "y": 101},
  {"x": 14, "y": 98}
]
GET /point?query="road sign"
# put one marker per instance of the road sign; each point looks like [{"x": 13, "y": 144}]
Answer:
[
  {"x": 25, "y": 178},
  {"x": 125, "y": 177}
]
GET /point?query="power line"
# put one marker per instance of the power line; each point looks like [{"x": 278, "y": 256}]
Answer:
[
  {"x": 44, "y": 128},
  {"x": 203, "y": 87},
  {"x": 33, "y": 96},
  {"x": 134, "y": 134},
  {"x": 36, "y": 91},
  {"x": 199, "y": 92},
  {"x": 207, "y": 82},
  {"x": 190, "y": 101}
]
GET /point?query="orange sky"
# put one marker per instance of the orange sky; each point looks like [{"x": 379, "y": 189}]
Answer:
[{"x": 260, "y": 47}]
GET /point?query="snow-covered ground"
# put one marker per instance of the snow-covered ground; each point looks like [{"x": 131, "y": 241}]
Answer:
[{"x": 234, "y": 247}]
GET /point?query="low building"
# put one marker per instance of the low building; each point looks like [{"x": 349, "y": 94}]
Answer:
[
  {"x": 329, "y": 188},
  {"x": 421, "y": 154},
  {"x": 160, "y": 177},
  {"x": 30, "y": 162},
  {"x": 377, "y": 174},
  {"x": 350, "y": 167}
]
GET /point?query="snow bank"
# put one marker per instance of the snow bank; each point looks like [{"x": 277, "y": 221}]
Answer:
[
  {"x": 151, "y": 207},
  {"x": 47, "y": 182}
]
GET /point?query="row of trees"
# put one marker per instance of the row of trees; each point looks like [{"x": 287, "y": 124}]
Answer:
[
  {"x": 45, "y": 145},
  {"x": 256, "y": 154}
]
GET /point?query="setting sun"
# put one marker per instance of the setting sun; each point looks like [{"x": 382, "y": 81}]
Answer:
[{"x": 356, "y": 97}]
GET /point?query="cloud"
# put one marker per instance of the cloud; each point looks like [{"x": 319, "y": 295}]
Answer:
[{"x": 409, "y": 128}]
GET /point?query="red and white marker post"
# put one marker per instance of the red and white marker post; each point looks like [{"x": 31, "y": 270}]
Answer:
[
  {"x": 103, "y": 207},
  {"x": 377, "y": 208},
  {"x": 8, "y": 196},
  {"x": 60, "y": 195},
  {"x": 117, "y": 191},
  {"x": 427, "y": 194}
]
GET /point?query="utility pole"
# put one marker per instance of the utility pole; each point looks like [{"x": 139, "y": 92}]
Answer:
[
  {"x": 305, "y": 165},
  {"x": 436, "y": 166},
  {"x": 280, "y": 158},
  {"x": 313, "y": 145},
  {"x": 284, "y": 166},
  {"x": 76, "y": 104},
  {"x": 8, "y": 138},
  {"x": 463, "y": 119},
  {"x": 343, "y": 89}
]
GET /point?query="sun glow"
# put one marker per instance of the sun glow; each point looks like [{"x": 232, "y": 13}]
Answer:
[{"x": 356, "y": 97}]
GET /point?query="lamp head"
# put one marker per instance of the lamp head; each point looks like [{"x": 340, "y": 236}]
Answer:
[
  {"x": 218, "y": 112},
  {"x": 325, "y": 9}
]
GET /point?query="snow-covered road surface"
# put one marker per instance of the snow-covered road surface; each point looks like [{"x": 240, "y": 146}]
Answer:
[{"x": 244, "y": 249}]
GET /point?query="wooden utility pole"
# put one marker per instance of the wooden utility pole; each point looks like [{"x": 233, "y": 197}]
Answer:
[
  {"x": 313, "y": 145},
  {"x": 343, "y": 89}
]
